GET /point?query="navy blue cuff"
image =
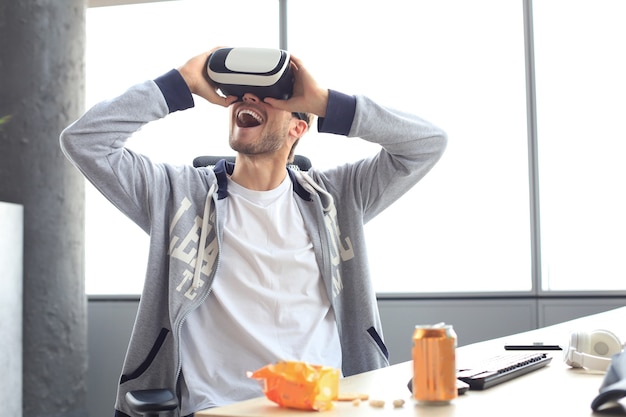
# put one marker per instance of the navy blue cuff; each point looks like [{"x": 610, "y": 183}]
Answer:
[
  {"x": 339, "y": 114},
  {"x": 175, "y": 90}
]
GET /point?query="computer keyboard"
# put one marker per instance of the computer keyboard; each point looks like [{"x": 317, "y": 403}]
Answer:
[{"x": 497, "y": 369}]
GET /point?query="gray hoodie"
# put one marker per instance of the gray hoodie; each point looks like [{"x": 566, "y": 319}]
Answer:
[{"x": 181, "y": 208}]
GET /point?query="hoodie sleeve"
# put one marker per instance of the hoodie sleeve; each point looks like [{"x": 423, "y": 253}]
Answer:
[
  {"x": 95, "y": 143},
  {"x": 340, "y": 113},
  {"x": 410, "y": 147},
  {"x": 175, "y": 91}
]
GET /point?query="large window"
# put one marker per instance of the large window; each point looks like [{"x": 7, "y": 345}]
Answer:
[
  {"x": 132, "y": 43},
  {"x": 581, "y": 103},
  {"x": 465, "y": 227},
  {"x": 458, "y": 63}
]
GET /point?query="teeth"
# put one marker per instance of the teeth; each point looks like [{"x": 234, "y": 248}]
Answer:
[{"x": 249, "y": 112}]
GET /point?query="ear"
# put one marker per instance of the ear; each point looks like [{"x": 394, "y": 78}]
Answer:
[{"x": 298, "y": 128}]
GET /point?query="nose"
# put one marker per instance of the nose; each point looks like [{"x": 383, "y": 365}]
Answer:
[{"x": 250, "y": 97}]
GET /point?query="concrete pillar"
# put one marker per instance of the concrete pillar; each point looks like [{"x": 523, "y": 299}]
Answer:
[{"x": 42, "y": 80}]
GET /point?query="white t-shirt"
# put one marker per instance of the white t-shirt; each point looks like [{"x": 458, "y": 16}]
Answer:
[{"x": 267, "y": 303}]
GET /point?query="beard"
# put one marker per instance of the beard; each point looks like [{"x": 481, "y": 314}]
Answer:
[{"x": 271, "y": 140}]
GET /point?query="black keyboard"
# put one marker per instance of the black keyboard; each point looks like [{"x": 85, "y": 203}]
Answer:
[{"x": 497, "y": 369}]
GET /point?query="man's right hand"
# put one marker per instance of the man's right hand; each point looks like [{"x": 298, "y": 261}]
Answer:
[{"x": 193, "y": 72}]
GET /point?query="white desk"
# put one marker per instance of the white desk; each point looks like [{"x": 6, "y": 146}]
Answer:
[{"x": 554, "y": 390}]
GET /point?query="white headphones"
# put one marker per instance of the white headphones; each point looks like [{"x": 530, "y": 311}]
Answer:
[{"x": 592, "y": 350}]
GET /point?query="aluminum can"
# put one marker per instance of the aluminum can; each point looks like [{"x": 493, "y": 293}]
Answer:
[{"x": 434, "y": 363}]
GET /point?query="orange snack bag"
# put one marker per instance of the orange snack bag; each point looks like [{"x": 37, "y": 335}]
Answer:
[{"x": 299, "y": 385}]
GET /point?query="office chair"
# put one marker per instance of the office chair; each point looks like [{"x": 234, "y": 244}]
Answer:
[
  {"x": 300, "y": 162},
  {"x": 152, "y": 402}
]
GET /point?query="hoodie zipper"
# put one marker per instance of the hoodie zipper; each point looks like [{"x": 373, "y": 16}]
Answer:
[
  {"x": 203, "y": 299},
  {"x": 315, "y": 190}
]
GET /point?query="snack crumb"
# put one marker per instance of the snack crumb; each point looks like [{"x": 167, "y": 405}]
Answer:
[
  {"x": 356, "y": 402},
  {"x": 398, "y": 403},
  {"x": 377, "y": 403},
  {"x": 352, "y": 397}
]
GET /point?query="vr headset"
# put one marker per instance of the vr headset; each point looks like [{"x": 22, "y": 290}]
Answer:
[{"x": 261, "y": 71}]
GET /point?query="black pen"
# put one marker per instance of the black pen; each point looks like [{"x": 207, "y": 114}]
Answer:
[{"x": 534, "y": 346}]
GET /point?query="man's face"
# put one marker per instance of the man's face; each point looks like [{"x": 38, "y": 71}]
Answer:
[{"x": 257, "y": 128}]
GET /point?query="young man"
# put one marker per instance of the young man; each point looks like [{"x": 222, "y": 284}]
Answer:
[{"x": 251, "y": 262}]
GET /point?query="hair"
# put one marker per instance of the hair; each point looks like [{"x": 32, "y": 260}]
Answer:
[{"x": 307, "y": 117}]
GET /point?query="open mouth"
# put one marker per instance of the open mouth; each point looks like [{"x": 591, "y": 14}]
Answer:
[{"x": 248, "y": 118}]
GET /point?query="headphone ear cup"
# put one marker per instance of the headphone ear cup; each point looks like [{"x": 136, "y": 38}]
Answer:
[
  {"x": 604, "y": 344},
  {"x": 578, "y": 344},
  {"x": 592, "y": 350}
]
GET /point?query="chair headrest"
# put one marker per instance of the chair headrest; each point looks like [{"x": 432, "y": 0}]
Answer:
[{"x": 300, "y": 162}]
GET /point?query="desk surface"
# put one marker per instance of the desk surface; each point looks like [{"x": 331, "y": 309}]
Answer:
[{"x": 554, "y": 390}]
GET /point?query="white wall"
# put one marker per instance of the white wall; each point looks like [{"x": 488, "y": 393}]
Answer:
[{"x": 11, "y": 261}]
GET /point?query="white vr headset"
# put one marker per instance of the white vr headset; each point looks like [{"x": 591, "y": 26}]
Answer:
[
  {"x": 592, "y": 350},
  {"x": 261, "y": 71}
]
